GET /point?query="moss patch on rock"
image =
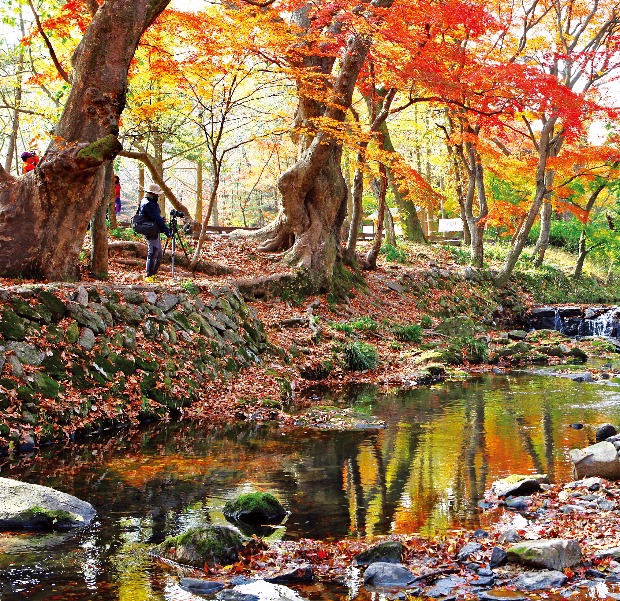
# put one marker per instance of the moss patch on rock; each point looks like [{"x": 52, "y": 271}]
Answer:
[{"x": 199, "y": 546}]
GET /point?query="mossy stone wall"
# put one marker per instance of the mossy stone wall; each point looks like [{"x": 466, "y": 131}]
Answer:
[{"x": 95, "y": 356}]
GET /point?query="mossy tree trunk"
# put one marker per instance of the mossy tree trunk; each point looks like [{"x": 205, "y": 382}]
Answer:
[{"x": 44, "y": 214}]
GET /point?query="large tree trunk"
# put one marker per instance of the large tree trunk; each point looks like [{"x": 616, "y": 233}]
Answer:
[
  {"x": 314, "y": 193},
  {"x": 45, "y": 213}
]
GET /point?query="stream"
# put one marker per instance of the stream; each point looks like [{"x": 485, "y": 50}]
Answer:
[{"x": 424, "y": 473}]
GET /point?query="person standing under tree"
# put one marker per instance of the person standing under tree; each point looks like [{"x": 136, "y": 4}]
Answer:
[
  {"x": 117, "y": 194},
  {"x": 149, "y": 208}
]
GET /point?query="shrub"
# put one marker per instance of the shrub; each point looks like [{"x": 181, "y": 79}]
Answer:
[
  {"x": 190, "y": 287},
  {"x": 359, "y": 356},
  {"x": 410, "y": 332},
  {"x": 343, "y": 326},
  {"x": 365, "y": 324},
  {"x": 426, "y": 321},
  {"x": 466, "y": 348},
  {"x": 393, "y": 253}
]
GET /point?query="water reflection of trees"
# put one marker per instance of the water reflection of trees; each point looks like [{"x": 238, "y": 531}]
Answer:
[
  {"x": 427, "y": 470},
  {"x": 445, "y": 445}
]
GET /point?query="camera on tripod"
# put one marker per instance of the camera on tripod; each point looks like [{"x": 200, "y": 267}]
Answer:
[{"x": 174, "y": 213}]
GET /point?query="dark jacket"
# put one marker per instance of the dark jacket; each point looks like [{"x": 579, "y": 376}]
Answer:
[{"x": 150, "y": 209}]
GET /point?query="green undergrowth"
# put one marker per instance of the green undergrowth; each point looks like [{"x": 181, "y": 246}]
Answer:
[{"x": 552, "y": 282}]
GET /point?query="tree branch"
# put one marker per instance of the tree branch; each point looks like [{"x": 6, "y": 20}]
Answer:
[
  {"x": 48, "y": 43},
  {"x": 146, "y": 159}
]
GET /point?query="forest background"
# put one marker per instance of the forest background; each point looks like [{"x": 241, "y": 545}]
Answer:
[{"x": 313, "y": 117}]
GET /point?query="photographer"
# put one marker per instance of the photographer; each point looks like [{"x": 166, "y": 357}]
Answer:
[{"x": 150, "y": 209}]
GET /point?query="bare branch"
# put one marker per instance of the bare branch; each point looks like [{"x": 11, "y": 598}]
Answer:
[{"x": 146, "y": 159}]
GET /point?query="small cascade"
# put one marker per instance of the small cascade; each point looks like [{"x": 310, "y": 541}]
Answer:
[
  {"x": 578, "y": 321},
  {"x": 604, "y": 324}
]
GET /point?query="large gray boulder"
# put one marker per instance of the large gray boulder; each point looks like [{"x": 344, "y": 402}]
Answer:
[
  {"x": 599, "y": 459},
  {"x": 552, "y": 554},
  {"x": 26, "y": 506}
]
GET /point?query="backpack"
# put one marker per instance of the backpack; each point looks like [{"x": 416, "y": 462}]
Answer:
[{"x": 143, "y": 225}]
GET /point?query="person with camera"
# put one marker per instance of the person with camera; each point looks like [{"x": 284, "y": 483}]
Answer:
[{"x": 149, "y": 208}]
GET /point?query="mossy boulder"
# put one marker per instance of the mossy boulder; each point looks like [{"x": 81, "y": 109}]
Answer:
[
  {"x": 57, "y": 308},
  {"x": 389, "y": 551},
  {"x": 12, "y": 327},
  {"x": 457, "y": 326},
  {"x": 255, "y": 508},
  {"x": 210, "y": 545},
  {"x": 32, "y": 507},
  {"x": 577, "y": 355}
]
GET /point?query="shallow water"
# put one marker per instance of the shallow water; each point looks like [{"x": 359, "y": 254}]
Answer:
[{"x": 442, "y": 448}]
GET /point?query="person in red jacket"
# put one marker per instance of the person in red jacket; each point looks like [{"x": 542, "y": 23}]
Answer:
[
  {"x": 117, "y": 194},
  {"x": 30, "y": 159}
]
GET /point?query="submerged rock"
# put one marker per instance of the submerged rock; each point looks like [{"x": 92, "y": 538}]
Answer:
[
  {"x": 553, "y": 554},
  {"x": 259, "y": 590},
  {"x": 26, "y": 506},
  {"x": 201, "y": 587},
  {"x": 536, "y": 581},
  {"x": 255, "y": 508},
  {"x": 387, "y": 574},
  {"x": 303, "y": 573}
]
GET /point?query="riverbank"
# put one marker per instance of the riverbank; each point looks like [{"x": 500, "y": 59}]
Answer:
[{"x": 88, "y": 357}]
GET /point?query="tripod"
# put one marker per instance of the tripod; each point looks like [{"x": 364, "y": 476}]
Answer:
[{"x": 176, "y": 235}]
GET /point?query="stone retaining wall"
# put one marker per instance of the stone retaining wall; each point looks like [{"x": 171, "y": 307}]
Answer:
[{"x": 96, "y": 356}]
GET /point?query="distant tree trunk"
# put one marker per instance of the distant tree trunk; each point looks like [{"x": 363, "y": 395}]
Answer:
[
  {"x": 472, "y": 165},
  {"x": 217, "y": 166},
  {"x": 583, "y": 249},
  {"x": 581, "y": 255},
  {"x": 158, "y": 151},
  {"x": 544, "y": 235},
  {"x": 410, "y": 222},
  {"x": 99, "y": 230},
  {"x": 45, "y": 213},
  {"x": 199, "y": 190},
  {"x": 12, "y": 147},
  {"x": 141, "y": 183},
  {"x": 373, "y": 253},
  {"x": 520, "y": 238},
  {"x": 390, "y": 233},
  {"x": 356, "y": 214}
]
